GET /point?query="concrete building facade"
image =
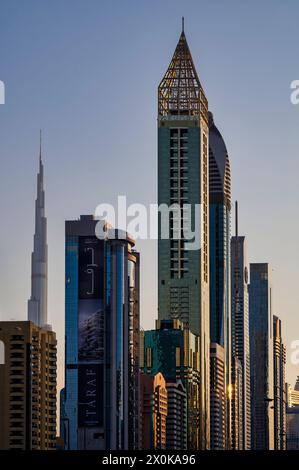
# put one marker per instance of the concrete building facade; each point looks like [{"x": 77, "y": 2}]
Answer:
[
  {"x": 27, "y": 387},
  {"x": 154, "y": 410},
  {"x": 174, "y": 351}
]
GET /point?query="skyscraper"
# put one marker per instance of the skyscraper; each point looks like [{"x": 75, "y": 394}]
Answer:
[
  {"x": 220, "y": 292},
  {"x": 280, "y": 399},
  {"x": 102, "y": 338},
  {"x": 174, "y": 351},
  {"x": 218, "y": 405},
  {"x": 122, "y": 342},
  {"x": 236, "y": 398},
  {"x": 240, "y": 325},
  {"x": 176, "y": 421},
  {"x": 154, "y": 408},
  {"x": 292, "y": 428},
  {"x": 261, "y": 357},
  {"x": 292, "y": 418},
  {"x": 27, "y": 387},
  {"x": 183, "y": 273},
  {"x": 28, "y": 369},
  {"x": 293, "y": 394},
  {"x": 37, "y": 304}
]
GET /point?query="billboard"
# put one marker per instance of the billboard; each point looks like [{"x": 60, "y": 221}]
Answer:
[
  {"x": 90, "y": 331},
  {"x": 91, "y": 268},
  {"x": 90, "y": 395}
]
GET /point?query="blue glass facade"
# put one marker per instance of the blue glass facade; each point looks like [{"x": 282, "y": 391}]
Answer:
[
  {"x": 63, "y": 424},
  {"x": 71, "y": 339},
  {"x": 220, "y": 299},
  {"x": 122, "y": 345},
  {"x": 120, "y": 329},
  {"x": 219, "y": 273},
  {"x": 102, "y": 339},
  {"x": 261, "y": 357}
]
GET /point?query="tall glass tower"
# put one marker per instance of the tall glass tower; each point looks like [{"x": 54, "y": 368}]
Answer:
[
  {"x": 183, "y": 274},
  {"x": 261, "y": 357},
  {"x": 280, "y": 399},
  {"x": 240, "y": 331},
  {"x": 220, "y": 306},
  {"x": 101, "y": 409}
]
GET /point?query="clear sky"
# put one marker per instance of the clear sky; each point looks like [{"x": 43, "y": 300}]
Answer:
[{"x": 86, "y": 72}]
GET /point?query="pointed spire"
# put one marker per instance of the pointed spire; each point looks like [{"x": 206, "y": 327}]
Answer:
[
  {"x": 180, "y": 91},
  {"x": 37, "y": 304},
  {"x": 40, "y": 145}
]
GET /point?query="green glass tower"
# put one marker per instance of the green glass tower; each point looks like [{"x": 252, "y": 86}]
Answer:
[{"x": 183, "y": 273}]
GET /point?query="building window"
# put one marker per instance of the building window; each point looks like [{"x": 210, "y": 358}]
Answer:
[{"x": 178, "y": 195}]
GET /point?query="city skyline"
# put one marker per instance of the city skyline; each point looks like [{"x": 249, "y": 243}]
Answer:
[{"x": 73, "y": 207}]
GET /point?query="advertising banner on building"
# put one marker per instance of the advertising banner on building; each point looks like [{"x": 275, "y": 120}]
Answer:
[
  {"x": 90, "y": 395},
  {"x": 91, "y": 268},
  {"x": 90, "y": 332}
]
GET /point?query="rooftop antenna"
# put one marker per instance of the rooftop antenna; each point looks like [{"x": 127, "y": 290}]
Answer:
[
  {"x": 237, "y": 222},
  {"x": 183, "y": 23}
]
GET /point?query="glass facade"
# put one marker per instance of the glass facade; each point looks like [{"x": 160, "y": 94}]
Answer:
[
  {"x": 122, "y": 339},
  {"x": 183, "y": 274},
  {"x": 102, "y": 339},
  {"x": 183, "y": 292},
  {"x": 261, "y": 357},
  {"x": 219, "y": 273},
  {"x": 292, "y": 426},
  {"x": 240, "y": 330},
  {"x": 220, "y": 294},
  {"x": 71, "y": 340},
  {"x": 119, "y": 347},
  {"x": 280, "y": 392},
  {"x": 134, "y": 351}
]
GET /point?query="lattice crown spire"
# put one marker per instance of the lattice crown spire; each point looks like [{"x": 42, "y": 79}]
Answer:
[{"x": 180, "y": 91}]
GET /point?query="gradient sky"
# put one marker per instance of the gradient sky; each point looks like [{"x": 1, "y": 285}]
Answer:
[{"x": 87, "y": 71}]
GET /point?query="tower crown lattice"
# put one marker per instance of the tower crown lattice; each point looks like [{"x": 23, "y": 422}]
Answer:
[{"x": 180, "y": 91}]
